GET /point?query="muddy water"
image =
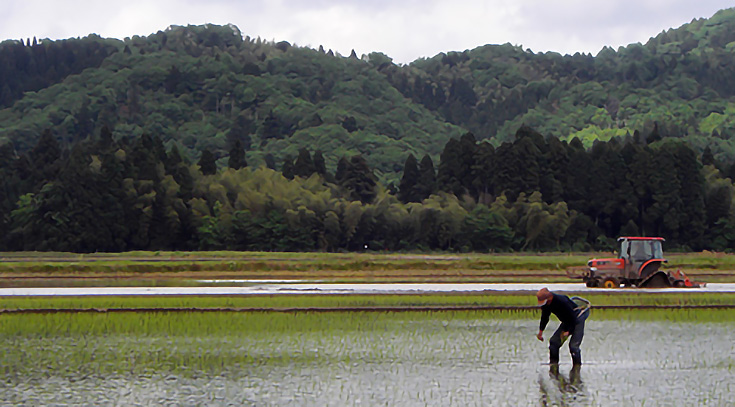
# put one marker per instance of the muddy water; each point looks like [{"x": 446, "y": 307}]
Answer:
[{"x": 398, "y": 362}]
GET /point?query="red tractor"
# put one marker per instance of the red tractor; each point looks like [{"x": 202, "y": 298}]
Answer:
[{"x": 638, "y": 264}]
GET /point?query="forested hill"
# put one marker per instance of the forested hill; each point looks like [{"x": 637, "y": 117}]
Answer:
[
  {"x": 681, "y": 79},
  {"x": 159, "y": 143},
  {"x": 204, "y": 87}
]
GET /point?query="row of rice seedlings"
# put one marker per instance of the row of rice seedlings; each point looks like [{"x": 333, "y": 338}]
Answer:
[
  {"x": 221, "y": 323},
  {"x": 284, "y": 301},
  {"x": 330, "y": 301},
  {"x": 669, "y": 315},
  {"x": 192, "y": 343},
  {"x": 661, "y": 298}
]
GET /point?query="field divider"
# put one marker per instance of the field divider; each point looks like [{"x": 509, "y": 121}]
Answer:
[{"x": 407, "y": 308}]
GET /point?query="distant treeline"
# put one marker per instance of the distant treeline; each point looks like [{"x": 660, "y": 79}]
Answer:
[{"x": 533, "y": 193}]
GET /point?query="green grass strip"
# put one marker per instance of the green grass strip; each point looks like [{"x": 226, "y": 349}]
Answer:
[{"x": 146, "y": 262}]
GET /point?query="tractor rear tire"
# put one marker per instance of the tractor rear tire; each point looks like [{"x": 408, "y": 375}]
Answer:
[
  {"x": 657, "y": 280},
  {"x": 610, "y": 282}
]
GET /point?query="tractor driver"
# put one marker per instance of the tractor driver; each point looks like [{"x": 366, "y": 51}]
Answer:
[{"x": 572, "y": 320}]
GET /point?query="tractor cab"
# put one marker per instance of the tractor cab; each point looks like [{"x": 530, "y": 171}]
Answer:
[{"x": 639, "y": 254}]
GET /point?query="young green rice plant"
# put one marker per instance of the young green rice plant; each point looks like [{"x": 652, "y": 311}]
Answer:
[
  {"x": 669, "y": 315},
  {"x": 336, "y": 301}
]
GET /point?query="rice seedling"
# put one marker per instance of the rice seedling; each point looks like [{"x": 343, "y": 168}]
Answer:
[{"x": 327, "y": 301}]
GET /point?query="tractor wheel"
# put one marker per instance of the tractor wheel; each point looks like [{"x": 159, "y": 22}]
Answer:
[
  {"x": 679, "y": 284},
  {"x": 611, "y": 282},
  {"x": 657, "y": 280},
  {"x": 592, "y": 283}
]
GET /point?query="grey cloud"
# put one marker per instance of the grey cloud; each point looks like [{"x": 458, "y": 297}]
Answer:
[{"x": 405, "y": 30}]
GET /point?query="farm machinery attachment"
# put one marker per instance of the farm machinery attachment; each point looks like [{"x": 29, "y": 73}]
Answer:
[{"x": 638, "y": 264}]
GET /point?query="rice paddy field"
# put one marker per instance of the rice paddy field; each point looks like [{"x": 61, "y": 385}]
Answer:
[
  {"x": 640, "y": 349},
  {"x": 336, "y": 359}
]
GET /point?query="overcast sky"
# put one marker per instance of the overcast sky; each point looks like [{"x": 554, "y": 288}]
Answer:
[{"x": 403, "y": 29}]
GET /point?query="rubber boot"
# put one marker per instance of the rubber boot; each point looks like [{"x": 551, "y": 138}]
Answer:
[
  {"x": 554, "y": 370},
  {"x": 575, "y": 377}
]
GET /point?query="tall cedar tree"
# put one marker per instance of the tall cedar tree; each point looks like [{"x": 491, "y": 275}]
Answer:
[
  {"x": 426, "y": 185},
  {"x": 482, "y": 172},
  {"x": 320, "y": 166},
  {"x": 303, "y": 166},
  {"x": 237, "y": 156},
  {"x": 270, "y": 161},
  {"x": 207, "y": 163},
  {"x": 407, "y": 188},
  {"x": 579, "y": 182},
  {"x": 455, "y": 167},
  {"x": 287, "y": 168},
  {"x": 694, "y": 216},
  {"x": 355, "y": 176},
  {"x": 147, "y": 153}
]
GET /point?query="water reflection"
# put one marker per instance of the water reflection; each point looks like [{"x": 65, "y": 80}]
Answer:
[
  {"x": 260, "y": 287},
  {"x": 563, "y": 390}
]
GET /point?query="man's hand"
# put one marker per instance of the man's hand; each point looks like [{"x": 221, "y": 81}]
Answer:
[
  {"x": 564, "y": 336},
  {"x": 540, "y": 336}
]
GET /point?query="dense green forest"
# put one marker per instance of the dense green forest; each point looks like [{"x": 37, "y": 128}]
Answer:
[
  {"x": 199, "y": 138},
  {"x": 534, "y": 193}
]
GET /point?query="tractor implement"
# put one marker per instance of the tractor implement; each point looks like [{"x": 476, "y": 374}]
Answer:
[{"x": 638, "y": 265}]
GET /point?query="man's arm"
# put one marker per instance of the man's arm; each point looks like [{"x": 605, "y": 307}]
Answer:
[{"x": 545, "y": 313}]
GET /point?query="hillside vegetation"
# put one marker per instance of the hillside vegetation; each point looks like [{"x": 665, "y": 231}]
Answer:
[
  {"x": 202, "y": 87},
  {"x": 198, "y": 138}
]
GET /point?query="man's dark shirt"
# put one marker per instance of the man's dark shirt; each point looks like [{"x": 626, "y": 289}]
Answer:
[{"x": 563, "y": 308}]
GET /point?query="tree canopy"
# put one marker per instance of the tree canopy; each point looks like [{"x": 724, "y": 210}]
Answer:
[{"x": 206, "y": 87}]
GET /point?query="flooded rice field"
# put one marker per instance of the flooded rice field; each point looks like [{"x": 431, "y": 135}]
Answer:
[
  {"x": 267, "y": 287},
  {"x": 358, "y": 359}
]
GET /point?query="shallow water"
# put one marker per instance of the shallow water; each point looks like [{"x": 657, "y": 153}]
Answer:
[
  {"x": 387, "y": 360},
  {"x": 249, "y": 287}
]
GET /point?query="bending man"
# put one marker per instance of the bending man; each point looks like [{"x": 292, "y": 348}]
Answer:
[{"x": 572, "y": 319}]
